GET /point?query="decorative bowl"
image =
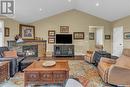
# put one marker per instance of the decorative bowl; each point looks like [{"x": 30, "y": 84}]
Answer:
[{"x": 49, "y": 63}]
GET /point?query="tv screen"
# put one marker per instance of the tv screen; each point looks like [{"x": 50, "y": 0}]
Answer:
[{"x": 64, "y": 38}]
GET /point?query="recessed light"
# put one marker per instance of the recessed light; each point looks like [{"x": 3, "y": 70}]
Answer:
[
  {"x": 69, "y": 0},
  {"x": 40, "y": 9},
  {"x": 97, "y": 4}
]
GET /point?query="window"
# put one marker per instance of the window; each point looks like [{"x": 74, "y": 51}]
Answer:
[
  {"x": 1, "y": 33},
  {"x": 99, "y": 36}
]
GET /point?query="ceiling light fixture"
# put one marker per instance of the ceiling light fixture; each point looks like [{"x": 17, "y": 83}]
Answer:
[
  {"x": 69, "y": 0},
  {"x": 40, "y": 9},
  {"x": 97, "y": 4}
]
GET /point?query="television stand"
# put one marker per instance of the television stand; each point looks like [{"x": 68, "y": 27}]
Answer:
[{"x": 63, "y": 50}]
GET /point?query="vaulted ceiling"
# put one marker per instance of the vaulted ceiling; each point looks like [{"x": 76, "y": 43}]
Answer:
[{"x": 27, "y": 11}]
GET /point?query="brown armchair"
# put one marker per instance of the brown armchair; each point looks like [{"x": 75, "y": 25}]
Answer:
[
  {"x": 116, "y": 72},
  {"x": 89, "y": 54}
]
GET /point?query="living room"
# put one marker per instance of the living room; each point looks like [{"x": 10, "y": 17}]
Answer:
[{"x": 79, "y": 33}]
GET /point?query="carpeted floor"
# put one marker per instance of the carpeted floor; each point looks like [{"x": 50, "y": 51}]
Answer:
[{"x": 78, "y": 68}]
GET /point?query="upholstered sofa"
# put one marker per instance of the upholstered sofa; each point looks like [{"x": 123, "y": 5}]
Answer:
[
  {"x": 14, "y": 62},
  {"x": 116, "y": 72}
]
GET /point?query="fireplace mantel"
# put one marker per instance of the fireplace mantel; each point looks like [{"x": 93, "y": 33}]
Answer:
[
  {"x": 34, "y": 40},
  {"x": 19, "y": 46}
]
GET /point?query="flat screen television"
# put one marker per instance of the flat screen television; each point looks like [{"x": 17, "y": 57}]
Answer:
[{"x": 64, "y": 38}]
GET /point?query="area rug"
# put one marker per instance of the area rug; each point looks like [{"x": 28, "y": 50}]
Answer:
[{"x": 78, "y": 69}]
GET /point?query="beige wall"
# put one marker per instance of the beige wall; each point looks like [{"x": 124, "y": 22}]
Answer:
[
  {"x": 77, "y": 22},
  {"x": 125, "y": 22},
  {"x": 14, "y": 29}
]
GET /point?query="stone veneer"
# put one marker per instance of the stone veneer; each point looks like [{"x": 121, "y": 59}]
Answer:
[{"x": 19, "y": 46}]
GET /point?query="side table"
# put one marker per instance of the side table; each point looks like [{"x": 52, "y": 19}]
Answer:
[
  {"x": 4, "y": 71},
  {"x": 98, "y": 54}
]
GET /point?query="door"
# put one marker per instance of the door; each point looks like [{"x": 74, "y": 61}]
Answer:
[{"x": 117, "y": 41}]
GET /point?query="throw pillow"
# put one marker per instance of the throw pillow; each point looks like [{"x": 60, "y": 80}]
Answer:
[{"x": 10, "y": 54}]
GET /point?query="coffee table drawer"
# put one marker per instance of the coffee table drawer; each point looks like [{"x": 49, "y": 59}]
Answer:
[
  {"x": 46, "y": 76},
  {"x": 32, "y": 76},
  {"x": 59, "y": 76}
]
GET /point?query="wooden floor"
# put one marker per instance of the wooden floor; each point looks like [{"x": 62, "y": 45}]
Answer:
[{"x": 65, "y": 58}]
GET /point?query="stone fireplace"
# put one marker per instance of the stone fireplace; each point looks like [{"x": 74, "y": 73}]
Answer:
[{"x": 30, "y": 50}]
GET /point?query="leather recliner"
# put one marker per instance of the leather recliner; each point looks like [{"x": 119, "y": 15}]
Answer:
[
  {"x": 116, "y": 72},
  {"x": 14, "y": 62}
]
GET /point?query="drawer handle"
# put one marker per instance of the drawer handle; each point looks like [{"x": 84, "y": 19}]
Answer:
[{"x": 33, "y": 76}]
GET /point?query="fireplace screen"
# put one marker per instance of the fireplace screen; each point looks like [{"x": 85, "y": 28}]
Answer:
[{"x": 31, "y": 50}]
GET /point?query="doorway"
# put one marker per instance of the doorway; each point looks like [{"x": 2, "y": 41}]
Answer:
[
  {"x": 117, "y": 41},
  {"x": 98, "y": 36}
]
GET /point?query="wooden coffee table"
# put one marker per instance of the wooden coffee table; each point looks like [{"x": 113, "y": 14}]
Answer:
[{"x": 37, "y": 74}]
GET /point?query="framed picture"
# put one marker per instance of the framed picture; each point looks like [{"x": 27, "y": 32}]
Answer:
[
  {"x": 64, "y": 29},
  {"x": 27, "y": 31},
  {"x": 107, "y": 37},
  {"x": 78, "y": 35},
  {"x": 91, "y": 36},
  {"x": 127, "y": 35},
  {"x": 6, "y": 32},
  {"x": 51, "y": 32},
  {"x": 51, "y": 40}
]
